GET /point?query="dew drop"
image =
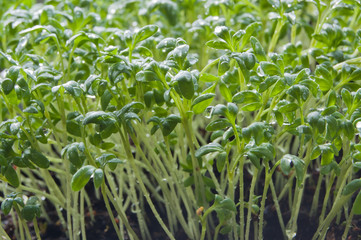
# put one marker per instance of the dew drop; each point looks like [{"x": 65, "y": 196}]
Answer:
[{"x": 358, "y": 126}]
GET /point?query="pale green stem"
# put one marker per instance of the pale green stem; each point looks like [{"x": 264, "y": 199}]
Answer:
[
  {"x": 314, "y": 205},
  {"x": 268, "y": 179},
  {"x": 142, "y": 186},
  {"x": 324, "y": 225},
  {"x": 348, "y": 225},
  {"x": 107, "y": 205},
  {"x": 276, "y": 35},
  {"x": 36, "y": 229},
  {"x": 82, "y": 220},
  {"x": 326, "y": 198},
  {"x": 121, "y": 215},
  {"x": 278, "y": 210},
  {"x": 250, "y": 201}
]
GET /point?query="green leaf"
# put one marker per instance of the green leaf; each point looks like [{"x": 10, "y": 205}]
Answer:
[
  {"x": 357, "y": 156},
  {"x": 169, "y": 123},
  {"x": 82, "y": 177},
  {"x": 251, "y": 100},
  {"x": 224, "y": 65},
  {"x": 251, "y": 28},
  {"x": 352, "y": 187},
  {"x": 356, "y": 209},
  {"x": 286, "y": 107},
  {"x": 144, "y": 33},
  {"x": 185, "y": 84},
  {"x": 267, "y": 83},
  {"x": 201, "y": 102},
  {"x": 270, "y": 68},
  {"x": 218, "y": 44},
  {"x": 329, "y": 110},
  {"x": 147, "y": 76},
  {"x": 209, "y": 148},
  {"x": 254, "y": 160},
  {"x": 298, "y": 164},
  {"x": 347, "y": 98},
  {"x": 258, "y": 49},
  {"x": 167, "y": 43},
  {"x": 299, "y": 92},
  {"x": 7, "y": 85},
  {"x": 37, "y": 158},
  {"x": 219, "y": 109},
  {"x": 95, "y": 117},
  {"x": 218, "y": 124},
  {"x": 73, "y": 156},
  {"x": 265, "y": 151},
  {"x": 206, "y": 77},
  {"x": 29, "y": 212},
  {"x": 179, "y": 54},
  {"x": 221, "y": 161},
  {"x": 98, "y": 177},
  {"x": 73, "y": 89},
  {"x": 256, "y": 130},
  {"x": 328, "y": 168},
  {"x": 223, "y": 33},
  {"x": 356, "y": 75},
  {"x": 316, "y": 152},
  {"x": 327, "y": 157},
  {"x": 226, "y": 204},
  {"x": 348, "y": 129},
  {"x": 325, "y": 82},
  {"x": 232, "y": 109},
  {"x": 279, "y": 117},
  {"x": 278, "y": 87},
  {"x": 249, "y": 60},
  {"x": 225, "y": 92},
  {"x": 226, "y": 229},
  {"x": 11, "y": 176},
  {"x": 332, "y": 99},
  {"x": 31, "y": 209},
  {"x": 6, "y": 205}
]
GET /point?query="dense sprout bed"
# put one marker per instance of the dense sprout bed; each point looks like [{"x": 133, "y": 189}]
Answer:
[{"x": 180, "y": 119}]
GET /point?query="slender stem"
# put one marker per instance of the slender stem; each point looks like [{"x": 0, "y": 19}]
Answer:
[
  {"x": 143, "y": 188},
  {"x": 268, "y": 179},
  {"x": 322, "y": 18},
  {"x": 263, "y": 202},
  {"x": 314, "y": 205},
  {"x": 292, "y": 224},
  {"x": 204, "y": 221},
  {"x": 276, "y": 35},
  {"x": 324, "y": 225},
  {"x": 216, "y": 231},
  {"x": 36, "y": 229},
  {"x": 356, "y": 61},
  {"x": 196, "y": 169},
  {"x": 326, "y": 198},
  {"x": 75, "y": 215},
  {"x": 22, "y": 222},
  {"x": 121, "y": 214},
  {"x": 208, "y": 66},
  {"x": 348, "y": 225},
  {"x": 82, "y": 220},
  {"x": 107, "y": 205},
  {"x": 240, "y": 157},
  {"x": 4, "y": 235},
  {"x": 250, "y": 201},
  {"x": 41, "y": 193},
  {"x": 278, "y": 210}
]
